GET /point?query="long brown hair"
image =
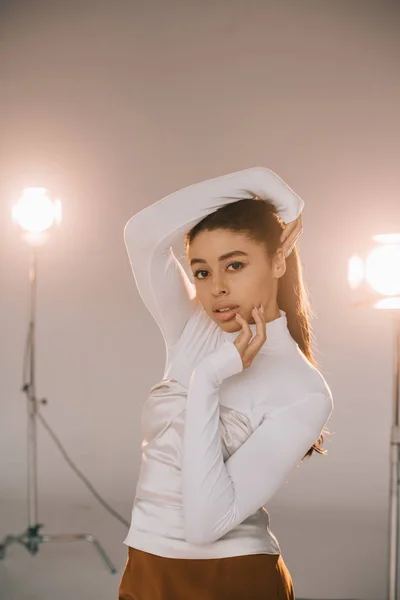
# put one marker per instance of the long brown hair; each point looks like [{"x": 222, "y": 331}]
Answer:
[{"x": 258, "y": 219}]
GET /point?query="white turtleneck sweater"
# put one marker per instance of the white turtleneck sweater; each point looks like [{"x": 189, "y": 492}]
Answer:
[{"x": 218, "y": 441}]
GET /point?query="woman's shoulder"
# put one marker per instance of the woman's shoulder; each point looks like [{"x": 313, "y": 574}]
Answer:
[
  {"x": 286, "y": 378},
  {"x": 310, "y": 375}
]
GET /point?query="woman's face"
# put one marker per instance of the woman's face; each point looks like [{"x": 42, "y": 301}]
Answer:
[{"x": 246, "y": 278}]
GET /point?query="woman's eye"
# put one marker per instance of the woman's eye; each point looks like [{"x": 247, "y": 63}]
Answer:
[
  {"x": 198, "y": 272},
  {"x": 236, "y": 263}
]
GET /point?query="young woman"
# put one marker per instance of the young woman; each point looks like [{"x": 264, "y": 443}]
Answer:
[{"x": 240, "y": 403}]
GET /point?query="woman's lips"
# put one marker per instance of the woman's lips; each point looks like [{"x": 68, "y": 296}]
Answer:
[{"x": 225, "y": 316}]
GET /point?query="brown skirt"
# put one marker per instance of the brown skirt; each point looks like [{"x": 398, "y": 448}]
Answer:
[{"x": 249, "y": 577}]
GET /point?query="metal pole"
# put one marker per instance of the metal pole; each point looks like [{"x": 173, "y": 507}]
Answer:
[
  {"x": 394, "y": 473},
  {"x": 32, "y": 402}
]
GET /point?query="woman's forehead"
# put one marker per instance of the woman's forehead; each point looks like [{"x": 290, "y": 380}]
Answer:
[
  {"x": 218, "y": 237},
  {"x": 214, "y": 245}
]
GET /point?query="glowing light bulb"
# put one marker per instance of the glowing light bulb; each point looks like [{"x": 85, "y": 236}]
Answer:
[
  {"x": 355, "y": 272},
  {"x": 388, "y": 303},
  {"x": 388, "y": 238},
  {"x": 35, "y": 211},
  {"x": 382, "y": 269}
]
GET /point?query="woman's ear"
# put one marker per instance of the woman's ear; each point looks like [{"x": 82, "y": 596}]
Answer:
[{"x": 279, "y": 264}]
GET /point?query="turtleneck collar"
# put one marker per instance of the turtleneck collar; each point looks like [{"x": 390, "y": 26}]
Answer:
[{"x": 277, "y": 332}]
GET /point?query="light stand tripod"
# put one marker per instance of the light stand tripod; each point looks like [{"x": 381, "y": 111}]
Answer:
[
  {"x": 31, "y": 538},
  {"x": 394, "y": 473},
  {"x": 374, "y": 277}
]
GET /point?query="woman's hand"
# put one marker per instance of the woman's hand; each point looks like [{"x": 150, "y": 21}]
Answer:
[
  {"x": 291, "y": 234},
  {"x": 248, "y": 350}
]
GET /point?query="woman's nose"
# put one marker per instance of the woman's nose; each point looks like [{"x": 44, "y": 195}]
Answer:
[{"x": 218, "y": 285}]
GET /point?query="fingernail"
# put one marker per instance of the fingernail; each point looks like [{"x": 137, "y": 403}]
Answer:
[{"x": 262, "y": 308}]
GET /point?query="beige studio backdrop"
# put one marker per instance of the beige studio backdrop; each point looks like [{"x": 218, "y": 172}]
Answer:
[{"x": 113, "y": 105}]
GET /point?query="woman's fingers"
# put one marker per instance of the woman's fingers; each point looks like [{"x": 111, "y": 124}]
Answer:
[
  {"x": 288, "y": 230},
  {"x": 259, "y": 339},
  {"x": 296, "y": 225},
  {"x": 244, "y": 336},
  {"x": 287, "y": 252},
  {"x": 246, "y": 348},
  {"x": 291, "y": 233}
]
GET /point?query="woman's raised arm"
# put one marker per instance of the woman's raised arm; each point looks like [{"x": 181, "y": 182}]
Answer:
[{"x": 150, "y": 234}]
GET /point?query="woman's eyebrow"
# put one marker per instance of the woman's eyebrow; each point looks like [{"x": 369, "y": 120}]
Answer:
[{"x": 221, "y": 258}]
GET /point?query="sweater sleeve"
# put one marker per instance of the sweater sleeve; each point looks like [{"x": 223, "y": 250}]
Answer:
[
  {"x": 162, "y": 282},
  {"x": 218, "y": 496}
]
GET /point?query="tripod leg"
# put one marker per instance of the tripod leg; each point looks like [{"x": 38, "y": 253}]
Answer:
[
  {"x": 81, "y": 537},
  {"x": 8, "y": 541}
]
